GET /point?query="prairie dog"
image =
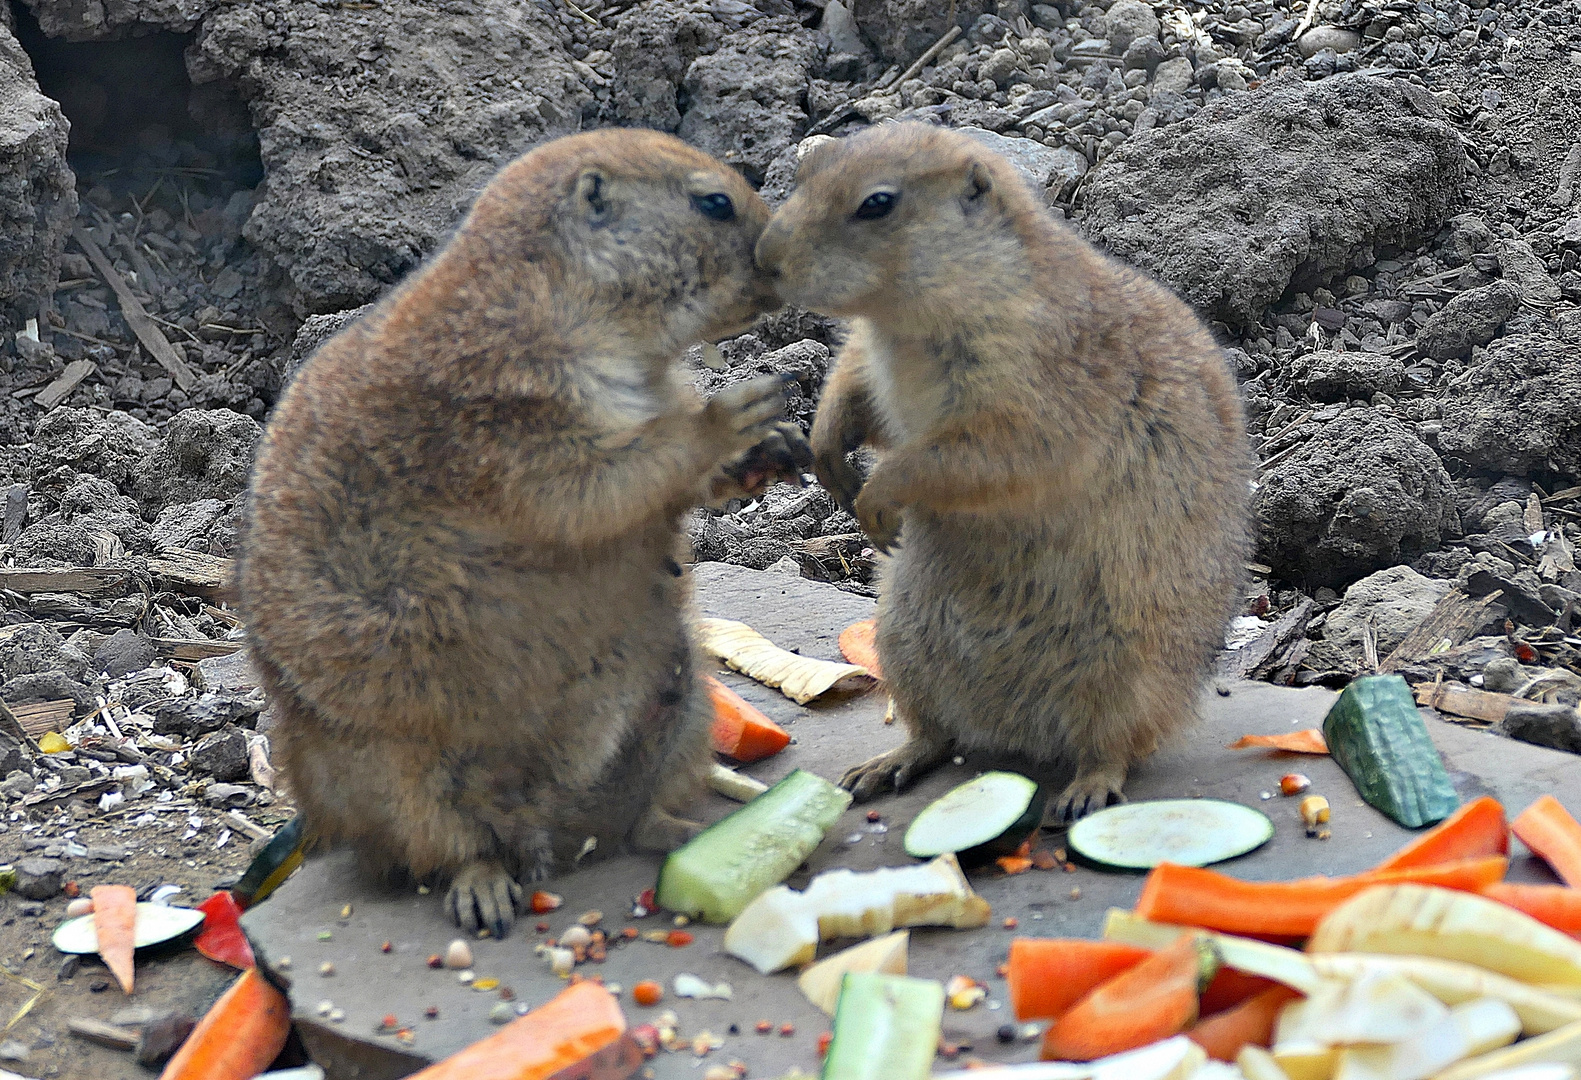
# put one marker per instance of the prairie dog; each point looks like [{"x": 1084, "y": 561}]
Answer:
[
  {"x": 1063, "y": 460},
  {"x": 459, "y": 577}
]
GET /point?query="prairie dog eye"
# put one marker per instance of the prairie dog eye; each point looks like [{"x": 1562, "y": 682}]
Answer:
[
  {"x": 877, "y": 205},
  {"x": 716, "y": 206}
]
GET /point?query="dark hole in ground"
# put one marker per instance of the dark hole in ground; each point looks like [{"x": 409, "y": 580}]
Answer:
[{"x": 137, "y": 118}]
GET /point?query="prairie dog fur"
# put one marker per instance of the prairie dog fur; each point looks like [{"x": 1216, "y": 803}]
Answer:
[
  {"x": 459, "y": 577},
  {"x": 1063, "y": 460}
]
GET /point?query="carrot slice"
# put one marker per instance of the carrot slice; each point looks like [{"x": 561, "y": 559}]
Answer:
[
  {"x": 1558, "y": 906},
  {"x": 1048, "y": 975},
  {"x": 1230, "y": 988},
  {"x": 1476, "y": 830},
  {"x": 1249, "y": 1023},
  {"x": 740, "y": 730},
  {"x": 239, "y": 1037},
  {"x": 1193, "y": 896},
  {"x": 581, "y": 1026},
  {"x": 1548, "y": 829},
  {"x": 1153, "y": 1000},
  {"x": 858, "y": 644},
  {"x": 1309, "y": 741},
  {"x": 115, "y": 921}
]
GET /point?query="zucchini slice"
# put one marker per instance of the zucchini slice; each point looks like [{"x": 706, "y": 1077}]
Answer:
[
  {"x": 978, "y": 821},
  {"x": 1187, "y": 832},
  {"x": 155, "y": 925},
  {"x": 886, "y": 1027},
  {"x": 724, "y": 867},
  {"x": 1377, "y": 736}
]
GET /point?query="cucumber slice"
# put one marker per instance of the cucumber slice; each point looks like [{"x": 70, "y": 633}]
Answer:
[
  {"x": 155, "y": 925},
  {"x": 978, "y": 821},
  {"x": 1188, "y": 832},
  {"x": 886, "y": 1027},
  {"x": 1377, "y": 736},
  {"x": 723, "y": 868}
]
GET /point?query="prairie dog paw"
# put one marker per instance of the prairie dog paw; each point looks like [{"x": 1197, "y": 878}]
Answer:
[
  {"x": 482, "y": 895},
  {"x": 879, "y": 518},
  {"x": 1087, "y": 794},
  {"x": 895, "y": 769},
  {"x": 740, "y": 417},
  {"x": 782, "y": 456},
  {"x": 661, "y": 831}
]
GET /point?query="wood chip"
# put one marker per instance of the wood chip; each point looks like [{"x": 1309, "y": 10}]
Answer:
[
  {"x": 193, "y": 572},
  {"x": 87, "y": 580},
  {"x": 57, "y": 391},
  {"x": 40, "y": 716},
  {"x": 97, "y": 1031},
  {"x": 1453, "y": 619},
  {"x": 1241, "y": 663},
  {"x": 147, "y": 332},
  {"x": 1464, "y": 701},
  {"x": 194, "y": 649}
]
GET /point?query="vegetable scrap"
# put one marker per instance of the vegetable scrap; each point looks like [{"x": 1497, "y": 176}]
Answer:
[
  {"x": 1309, "y": 741},
  {"x": 740, "y": 729},
  {"x": 800, "y": 678},
  {"x": 221, "y": 938},
  {"x": 1186, "y": 832},
  {"x": 858, "y": 644}
]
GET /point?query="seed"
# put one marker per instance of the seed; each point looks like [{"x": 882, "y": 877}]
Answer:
[
  {"x": 326, "y": 969},
  {"x": 436, "y": 961},
  {"x": 647, "y": 993},
  {"x": 485, "y": 985},
  {"x": 386, "y": 947},
  {"x": 577, "y": 936},
  {"x": 389, "y": 1021},
  {"x": 543, "y": 902},
  {"x": 763, "y": 1027},
  {"x": 677, "y": 939},
  {"x": 1314, "y": 810},
  {"x": 823, "y": 1043},
  {"x": 80, "y": 906},
  {"x": 590, "y": 918},
  {"x": 1011, "y": 923},
  {"x": 1293, "y": 784},
  {"x": 432, "y": 1012},
  {"x": 787, "y": 1030},
  {"x": 458, "y": 955},
  {"x": 501, "y": 1012},
  {"x": 1075, "y": 894},
  {"x": 874, "y": 815}
]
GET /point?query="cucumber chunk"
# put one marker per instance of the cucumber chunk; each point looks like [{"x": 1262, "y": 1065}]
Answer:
[
  {"x": 722, "y": 869},
  {"x": 978, "y": 821},
  {"x": 1377, "y": 736},
  {"x": 1187, "y": 832},
  {"x": 886, "y": 1027}
]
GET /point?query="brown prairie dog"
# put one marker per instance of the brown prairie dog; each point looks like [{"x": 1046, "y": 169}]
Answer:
[
  {"x": 1063, "y": 460},
  {"x": 459, "y": 578}
]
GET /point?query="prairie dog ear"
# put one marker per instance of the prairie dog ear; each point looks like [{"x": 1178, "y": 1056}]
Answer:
[
  {"x": 978, "y": 183},
  {"x": 590, "y": 190}
]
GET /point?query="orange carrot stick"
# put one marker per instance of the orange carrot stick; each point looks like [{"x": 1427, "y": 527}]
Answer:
[
  {"x": 1309, "y": 741},
  {"x": 1476, "y": 830},
  {"x": 1548, "y": 829},
  {"x": 1195, "y": 897},
  {"x": 1153, "y": 1000},
  {"x": 580, "y": 1026},
  {"x": 1558, "y": 906},
  {"x": 858, "y": 645},
  {"x": 740, "y": 730},
  {"x": 239, "y": 1037},
  {"x": 1048, "y": 975},
  {"x": 1230, "y": 988},
  {"x": 115, "y": 921},
  {"x": 1251, "y": 1022}
]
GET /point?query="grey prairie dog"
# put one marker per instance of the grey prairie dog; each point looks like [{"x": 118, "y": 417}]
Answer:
[
  {"x": 1063, "y": 474},
  {"x": 459, "y": 578}
]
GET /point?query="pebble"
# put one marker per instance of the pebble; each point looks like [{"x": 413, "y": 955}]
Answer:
[
  {"x": 1319, "y": 38},
  {"x": 501, "y": 1012},
  {"x": 458, "y": 954}
]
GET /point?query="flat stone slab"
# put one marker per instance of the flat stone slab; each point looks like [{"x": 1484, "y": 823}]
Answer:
[{"x": 369, "y": 983}]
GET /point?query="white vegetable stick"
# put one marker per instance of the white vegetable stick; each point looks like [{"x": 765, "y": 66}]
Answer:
[{"x": 800, "y": 678}]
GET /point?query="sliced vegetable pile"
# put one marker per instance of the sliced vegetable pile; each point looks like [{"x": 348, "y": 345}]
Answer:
[{"x": 1428, "y": 967}]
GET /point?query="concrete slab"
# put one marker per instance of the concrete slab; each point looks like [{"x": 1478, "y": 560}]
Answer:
[{"x": 369, "y": 983}]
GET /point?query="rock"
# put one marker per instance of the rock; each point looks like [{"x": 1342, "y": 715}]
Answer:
[
  {"x": 222, "y": 755},
  {"x": 840, "y": 25},
  {"x": 1330, "y": 375},
  {"x": 1523, "y": 600},
  {"x": 1046, "y": 17},
  {"x": 161, "y": 1037},
  {"x": 903, "y": 29},
  {"x": 446, "y": 98},
  {"x": 807, "y": 359},
  {"x": 188, "y": 718},
  {"x": 1128, "y": 20},
  {"x": 48, "y": 686},
  {"x": 34, "y": 648},
  {"x": 310, "y": 335},
  {"x": 1363, "y": 493},
  {"x": 1000, "y": 66},
  {"x": 108, "y": 445},
  {"x": 1288, "y": 186},
  {"x": 13, "y": 756},
  {"x": 187, "y": 525},
  {"x": 1469, "y": 319},
  {"x": 38, "y": 195},
  {"x": 1144, "y": 53},
  {"x": 1047, "y": 170},
  {"x": 746, "y": 99},
  {"x": 1556, "y": 726},
  {"x": 1173, "y": 76},
  {"x": 124, "y": 652},
  {"x": 17, "y": 784},
  {"x": 1516, "y": 411},
  {"x": 1393, "y": 602},
  {"x": 206, "y": 454},
  {"x": 38, "y": 878},
  {"x": 654, "y": 45},
  {"x": 1523, "y": 269},
  {"x": 1319, "y": 38},
  {"x": 1504, "y": 675}
]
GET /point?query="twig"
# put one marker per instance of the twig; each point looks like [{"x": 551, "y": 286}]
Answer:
[
  {"x": 1306, "y": 21},
  {"x": 143, "y": 326},
  {"x": 579, "y": 13},
  {"x": 925, "y": 59}
]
